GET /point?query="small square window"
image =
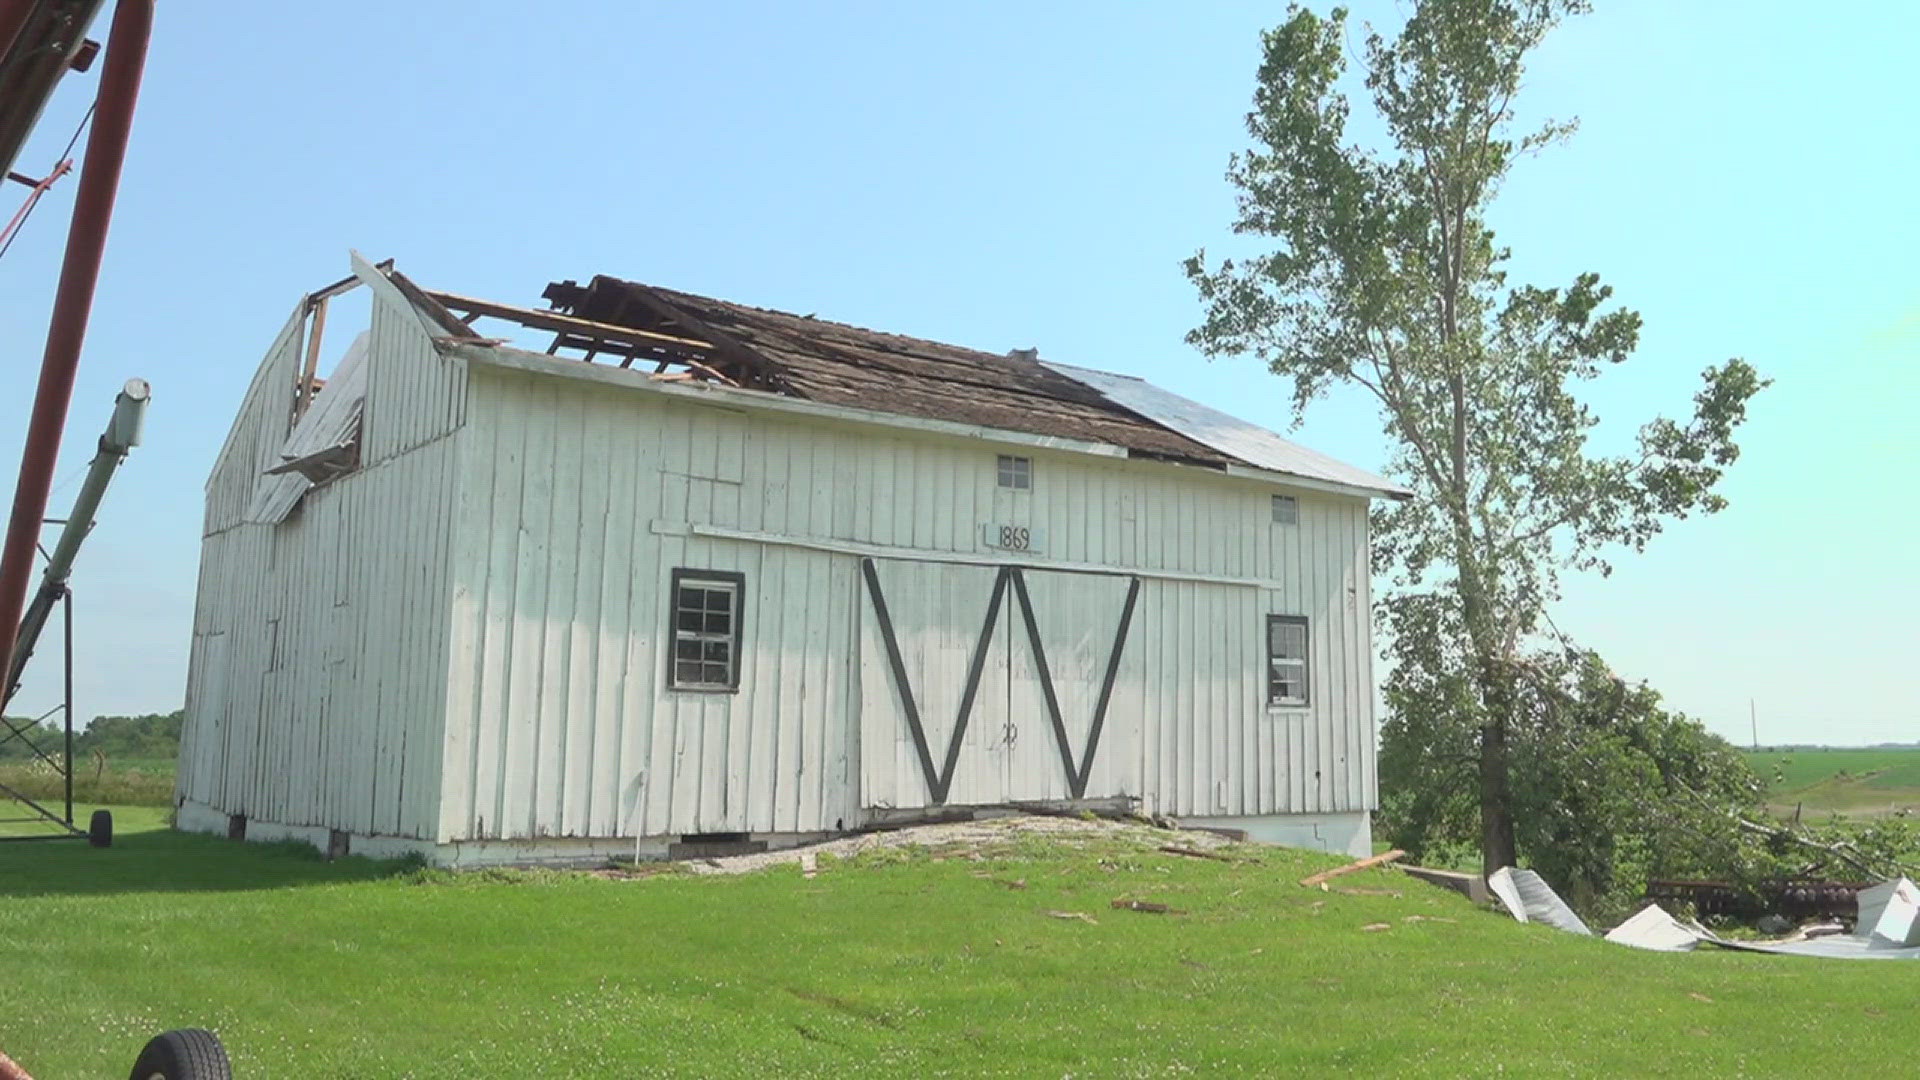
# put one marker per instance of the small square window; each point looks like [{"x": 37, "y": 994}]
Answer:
[
  {"x": 1016, "y": 472},
  {"x": 1286, "y": 510},
  {"x": 706, "y": 630},
  {"x": 1286, "y": 660}
]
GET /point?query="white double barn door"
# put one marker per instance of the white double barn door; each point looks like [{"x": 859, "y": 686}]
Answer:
[{"x": 982, "y": 685}]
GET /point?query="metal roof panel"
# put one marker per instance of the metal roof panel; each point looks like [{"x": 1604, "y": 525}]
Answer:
[{"x": 1227, "y": 434}]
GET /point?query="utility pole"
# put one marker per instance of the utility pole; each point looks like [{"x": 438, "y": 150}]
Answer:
[{"x": 1753, "y": 717}]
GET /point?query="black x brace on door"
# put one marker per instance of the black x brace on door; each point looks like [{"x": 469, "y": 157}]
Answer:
[{"x": 940, "y": 780}]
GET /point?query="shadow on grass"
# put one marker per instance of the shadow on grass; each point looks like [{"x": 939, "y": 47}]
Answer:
[{"x": 163, "y": 861}]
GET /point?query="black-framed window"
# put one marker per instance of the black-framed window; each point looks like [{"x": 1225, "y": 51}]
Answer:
[
  {"x": 1015, "y": 472},
  {"x": 705, "y": 629},
  {"x": 1286, "y": 510},
  {"x": 1286, "y": 660}
]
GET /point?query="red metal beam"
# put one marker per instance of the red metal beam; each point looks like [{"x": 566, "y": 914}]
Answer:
[
  {"x": 13, "y": 18},
  {"x": 126, "y": 57}
]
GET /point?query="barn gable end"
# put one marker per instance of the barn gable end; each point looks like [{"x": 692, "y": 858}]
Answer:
[{"x": 315, "y": 690}]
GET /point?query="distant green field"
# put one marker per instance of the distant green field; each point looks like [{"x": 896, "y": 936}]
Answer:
[
  {"x": 1852, "y": 782},
  {"x": 133, "y": 783},
  {"x": 1790, "y": 770}
]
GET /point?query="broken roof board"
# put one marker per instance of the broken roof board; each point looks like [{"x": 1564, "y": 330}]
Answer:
[
  {"x": 846, "y": 365},
  {"x": 1227, "y": 434}
]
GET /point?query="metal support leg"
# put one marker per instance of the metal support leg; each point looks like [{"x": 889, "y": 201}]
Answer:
[{"x": 66, "y": 608}]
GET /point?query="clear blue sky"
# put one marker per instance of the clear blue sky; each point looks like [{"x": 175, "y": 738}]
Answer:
[{"x": 1005, "y": 176}]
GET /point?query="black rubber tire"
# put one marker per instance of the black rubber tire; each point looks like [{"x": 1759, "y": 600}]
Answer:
[
  {"x": 100, "y": 829},
  {"x": 183, "y": 1054}
]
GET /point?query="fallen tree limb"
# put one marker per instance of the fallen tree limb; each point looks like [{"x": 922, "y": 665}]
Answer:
[{"x": 1845, "y": 852}]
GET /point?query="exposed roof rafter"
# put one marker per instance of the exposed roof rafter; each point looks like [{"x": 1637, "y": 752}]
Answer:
[{"x": 611, "y": 299}]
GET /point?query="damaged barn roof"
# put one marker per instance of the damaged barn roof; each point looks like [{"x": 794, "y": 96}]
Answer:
[{"x": 834, "y": 363}]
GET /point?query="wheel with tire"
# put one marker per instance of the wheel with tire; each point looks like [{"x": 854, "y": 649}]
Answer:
[
  {"x": 100, "y": 829},
  {"x": 183, "y": 1054}
]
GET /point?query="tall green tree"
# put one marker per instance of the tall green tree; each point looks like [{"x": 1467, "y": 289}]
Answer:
[{"x": 1380, "y": 272}]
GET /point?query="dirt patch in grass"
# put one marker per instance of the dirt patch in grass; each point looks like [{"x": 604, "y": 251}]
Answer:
[{"x": 977, "y": 840}]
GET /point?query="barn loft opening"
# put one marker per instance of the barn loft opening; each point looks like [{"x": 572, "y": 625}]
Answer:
[
  {"x": 325, "y": 399},
  {"x": 323, "y": 427}
]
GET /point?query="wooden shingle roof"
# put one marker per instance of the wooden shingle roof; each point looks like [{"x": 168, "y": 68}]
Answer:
[{"x": 838, "y": 364}]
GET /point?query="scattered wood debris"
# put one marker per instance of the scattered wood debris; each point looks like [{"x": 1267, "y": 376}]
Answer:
[
  {"x": 1368, "y": 863},
  {"x": 1395, "y": 893},
  {"x": 1378, "y": 926},
  {"x": 1080, "y": 915},
  {"x": 1148, "y": 906},
  {"x": 1695, "y": 995},
  {"x": 809, "y": 864},
  {"x": 1428, "y": 918}
]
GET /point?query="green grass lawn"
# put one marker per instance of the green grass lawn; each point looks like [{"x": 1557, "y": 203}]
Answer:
[
  {"x": 889, "y": 965},
  {"x": 1850, "y": 782}
]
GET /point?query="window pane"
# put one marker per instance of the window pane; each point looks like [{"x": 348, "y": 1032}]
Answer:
[
  {"x": 1285, "y": 685},
  {"x": 1286, "y": 660},
  {"x": 1287, "y": 640},
  {"x": 1014, "y": 472},
  {"x": 706, "y": 629}
]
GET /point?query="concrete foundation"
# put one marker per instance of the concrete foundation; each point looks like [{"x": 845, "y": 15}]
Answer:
[
  {"x": 461, "y": 854},
  {"x": 1349, "y": 833}
]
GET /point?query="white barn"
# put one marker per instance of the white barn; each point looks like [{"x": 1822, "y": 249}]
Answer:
[{"x": 702, "y": 572}]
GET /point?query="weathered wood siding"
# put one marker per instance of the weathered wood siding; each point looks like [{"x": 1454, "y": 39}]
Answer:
[
  {"x": 316, "y": 690},
  {"x": 414, "y": 395},
  {"x": 576, "y": 501},
  {"x": 259, "y": 429},
  {"x": 559, "y": 724}
]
